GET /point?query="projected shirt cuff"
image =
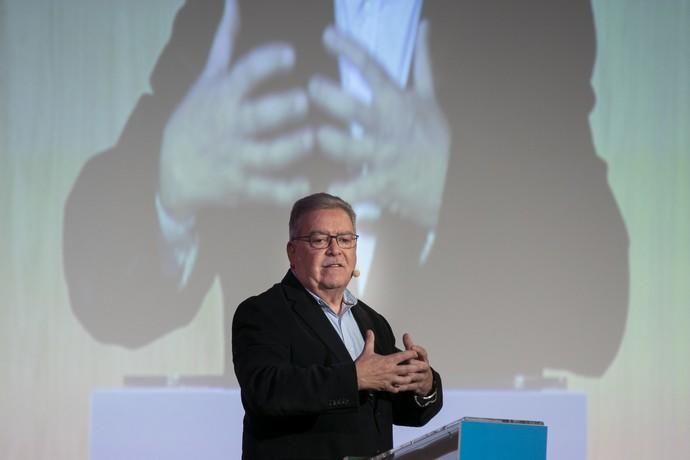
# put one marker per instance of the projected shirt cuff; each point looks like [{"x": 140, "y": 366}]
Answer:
[
  {"x": 180, "y": 244},
  {"x": 428, "y": 245}
]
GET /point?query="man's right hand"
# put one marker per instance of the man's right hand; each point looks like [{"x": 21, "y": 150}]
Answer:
[
  {"x": 211, "y": 154},
  {"x": 383, "y": 372}
]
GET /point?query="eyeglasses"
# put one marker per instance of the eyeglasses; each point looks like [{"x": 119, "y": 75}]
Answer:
[{"x": 322, "y": 240}]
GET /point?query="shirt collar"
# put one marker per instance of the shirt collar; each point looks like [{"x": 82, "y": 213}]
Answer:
[{"x": 349, "y": 300}]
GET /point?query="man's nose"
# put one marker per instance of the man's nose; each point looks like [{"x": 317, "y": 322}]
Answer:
[{"x": 333, "y": 246}]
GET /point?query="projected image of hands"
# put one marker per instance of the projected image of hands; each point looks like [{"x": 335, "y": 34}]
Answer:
[
  {"x": 404, "y": 144},
  {"x": 212, "y": 154},
  {"x": 458, "y": 130}
]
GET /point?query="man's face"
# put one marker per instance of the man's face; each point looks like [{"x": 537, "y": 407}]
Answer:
[{"x": 323, "y": 270}]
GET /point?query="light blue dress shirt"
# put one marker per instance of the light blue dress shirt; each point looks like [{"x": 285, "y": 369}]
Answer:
[{"x": 344, "y": 323}]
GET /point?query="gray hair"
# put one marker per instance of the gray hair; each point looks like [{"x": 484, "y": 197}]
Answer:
[{"x": 315, "y": 202}]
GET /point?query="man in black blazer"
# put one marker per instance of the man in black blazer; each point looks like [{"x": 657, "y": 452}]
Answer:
[{"x": 319, "y": 371}]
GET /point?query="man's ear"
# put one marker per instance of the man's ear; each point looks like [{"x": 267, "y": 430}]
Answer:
[{"x": 290, "y": 249}]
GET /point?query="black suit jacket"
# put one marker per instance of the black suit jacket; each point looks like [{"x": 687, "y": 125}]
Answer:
[{"x": 299, "y": 385}]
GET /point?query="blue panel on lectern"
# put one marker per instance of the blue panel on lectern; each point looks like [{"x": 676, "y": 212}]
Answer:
[{"x": 493, "y": 439}]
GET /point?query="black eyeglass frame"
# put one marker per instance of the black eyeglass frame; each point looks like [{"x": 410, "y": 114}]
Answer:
[{"x": 327, "y": 240}]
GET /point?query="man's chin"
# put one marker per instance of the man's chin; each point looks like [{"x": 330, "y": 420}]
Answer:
[{"x": 333, "y": 283}]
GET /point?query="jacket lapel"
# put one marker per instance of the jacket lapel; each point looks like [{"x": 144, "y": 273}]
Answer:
[
  {"x": 365, "y": 322},
  {"x": 306, "y": 307}
]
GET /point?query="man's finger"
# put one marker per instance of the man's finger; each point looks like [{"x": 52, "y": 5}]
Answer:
[
  {"x": 258, "y": 65},
  {"x": 413, "y": 386},
  {"x": 398, "y": 384},
  {"x": 369, "y": 342},
  {"x": 416, "y": 378},
  {"x": 344, "y": 46},
  {"x": 382, "y": 186},
  {"x": 341, "y": 146},
  {"x": 274, "y": 191},
  {"x": 392, "y": 387},
  {"x": 220, "y": 53},
  {"x": 411, "y": 368},
  {"x": 423, "y": 74},
  {"x": 271, "y": 111},
  {"x": 401, "y": 356},
  {"x": 407, "y": 341},
  {"x": 420, "y": 377},
  {"x": 278, "y": 152},
  {"x": 417, "y": 365},
  {"x": 338, "y": 103},
  {"x": 400, "y": 380},
  {"x": 373, "y": 186},
  {"x": 421, "y": 351}
]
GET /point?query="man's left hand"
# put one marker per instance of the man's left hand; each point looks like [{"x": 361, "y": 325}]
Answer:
[{"x": 422, "y": 378}]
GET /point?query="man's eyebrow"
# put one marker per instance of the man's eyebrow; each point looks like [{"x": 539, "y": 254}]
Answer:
[
  {"x": 320, "y": 230},
  {"x": 344, "y": 232}
]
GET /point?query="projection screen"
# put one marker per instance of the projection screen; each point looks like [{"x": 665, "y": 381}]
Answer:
[{"x": 520, "y": 172}]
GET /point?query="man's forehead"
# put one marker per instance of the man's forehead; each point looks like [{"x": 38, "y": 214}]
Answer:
[{"x": 334, "y": 220}]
